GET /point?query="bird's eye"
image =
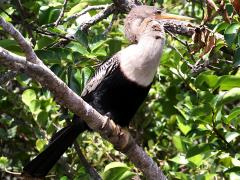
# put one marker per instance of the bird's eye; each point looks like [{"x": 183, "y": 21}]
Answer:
[{"x": 158, "y": 11}]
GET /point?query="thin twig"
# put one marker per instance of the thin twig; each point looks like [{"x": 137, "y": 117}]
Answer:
[
  {"x": 182, "y": 42},
  {"x": 12, "y": 173},
  {"x": 61, "y": 13},
  {"x": 93, "y": 173},
  {"x": 188, "y": 64},
  {"x": 220, "y": 136},
  {"x": 23, "y": 16},
  {"x": 49, "y": 33},
  {"x": 114, "y": 18},
  {"x": 84, "y": 11},
  {"x": 98, "y": 17}
]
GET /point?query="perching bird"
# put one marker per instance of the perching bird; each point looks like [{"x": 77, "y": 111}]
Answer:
[{"x": 119, "y": 86}]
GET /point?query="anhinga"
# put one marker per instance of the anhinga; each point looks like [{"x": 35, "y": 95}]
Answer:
[{"x": 120, "y": 84}]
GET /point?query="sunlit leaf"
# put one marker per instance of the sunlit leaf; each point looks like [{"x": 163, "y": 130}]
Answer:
[{"x": 230, "y": 33}]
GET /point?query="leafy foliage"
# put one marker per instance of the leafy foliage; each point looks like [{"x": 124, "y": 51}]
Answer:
[{"x": 189, "y": 123}]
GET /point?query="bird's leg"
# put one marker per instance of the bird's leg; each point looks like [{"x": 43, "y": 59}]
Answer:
[
  {"x": 109, "y": 123},
  {"x": 117, "y": 134}
]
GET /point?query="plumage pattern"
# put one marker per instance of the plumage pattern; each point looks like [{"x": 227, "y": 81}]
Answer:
[{"x": 102, "y": 72}]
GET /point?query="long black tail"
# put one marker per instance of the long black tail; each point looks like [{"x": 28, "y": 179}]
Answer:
[{"x": 43, "y": 163}]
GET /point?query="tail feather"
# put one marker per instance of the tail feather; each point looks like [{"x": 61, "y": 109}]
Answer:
[{"x": 43, "y": 163}]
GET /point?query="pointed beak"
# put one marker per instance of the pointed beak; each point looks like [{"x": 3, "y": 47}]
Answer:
[{"x": 164, "y": 15}]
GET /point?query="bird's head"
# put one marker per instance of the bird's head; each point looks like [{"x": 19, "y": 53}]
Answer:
[{"x": 138, "y": 19}]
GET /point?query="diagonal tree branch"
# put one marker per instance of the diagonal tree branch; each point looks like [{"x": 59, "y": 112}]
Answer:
[
  {"x": 26, "y": 47},
  {"x": 120, "y": 138},
  {"x": 98, "y": 17}
]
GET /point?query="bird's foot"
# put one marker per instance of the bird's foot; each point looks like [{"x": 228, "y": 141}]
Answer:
[{"x": 116, "y": 134}]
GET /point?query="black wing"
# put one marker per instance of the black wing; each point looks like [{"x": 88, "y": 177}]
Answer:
[{"x": 101, "y": 73}]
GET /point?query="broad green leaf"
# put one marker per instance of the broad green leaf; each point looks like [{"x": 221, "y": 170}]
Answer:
[
  {"x": 179, "y": 159},
  {"x": 200, "y": 149},
  {"x": 77, "y": 47},
  {"x": 5, "y": 43},
  {"x": 43, "y": 42},
  {"x": 206, "y": 176},
  {"x": 236, "y": 57},
  {"x": 117, "y": 171},
  {"x": 100, "y": 52},
  {"x": 228, "y": 82},
  {"x": 40, "y": 144},
  {"x": 202, "y": 110},
  {"x": 77, "y": 8},
  {"x": 48, "y": 15},
  {"x": 179, "y": 143},
  {"x": 35, "y": 106},
  {"x": 234, "y": 176},
  {"x": 182, "y": 126},
  {"x": 234, "y": 113},
  {"x": 182, "y": 176},
  {"x": 3, "y": 162},
  {"x": 12, "y": 132},
  {"x": 230, "y": 136},
  {"x": 28, "y": 96},
  {"x": 233, "y": 169},
  {"x": 64, "y": 178},
  {"x": 231, "y": 32},
  {"x": 82, "y": 38},
  {"x": 197, "y": 160},
  {"x": 235, "y": 162},
  {"x": 100, "y": 43},
  {"x": 230, "y": 96},
  {"x": 205, "y": 80},
  {"x": 48, "y": 56},
  {"x": 42, "y": 118},
  {"x": 220, "y": 27}
]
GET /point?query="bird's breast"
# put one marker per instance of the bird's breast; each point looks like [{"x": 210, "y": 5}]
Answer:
[{"x": 139, "y": 62}]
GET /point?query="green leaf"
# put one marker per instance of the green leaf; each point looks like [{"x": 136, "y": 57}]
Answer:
[
  {"x": 117, "y": 171},
  {"x": 230, "y": 136},
  {"x": 229, "y": 96},
  {"x": 220, "y": 27},
  {"x": 42, "y": 118},
  {"x": 200, "y": 149},
  {"x": 48, "y": 56},
  {"x": 82, "y": 38},
  {"x": 236, "y": 58},
  {"x": 179, "y": 159},
  {"x": 78, "y": 7},
  {"x": 182, "y": 126},
  {"x": 234, "y": 113},
  {"x": 3, "y": 162},
  {"x": 28, "y": 96},
  {"x": 233, "y": 169},
  {"x": 206, "y": 176},
  {"x": 231, "y": 32},
  {"x": 179, "y": 143},
  {"x": 40, "y": 144},
  {"x": 228, "y": 82},
  {"x": 77, "y": 47},
  {"x": 35, "y": 106},
  {"x": 197, "y": 160},
  {"x": 44, "y": 42},
  {"x": 48, "y": 15},
  {"x": 12, "y": 132},
  {"x": 234, "y": 176}
]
